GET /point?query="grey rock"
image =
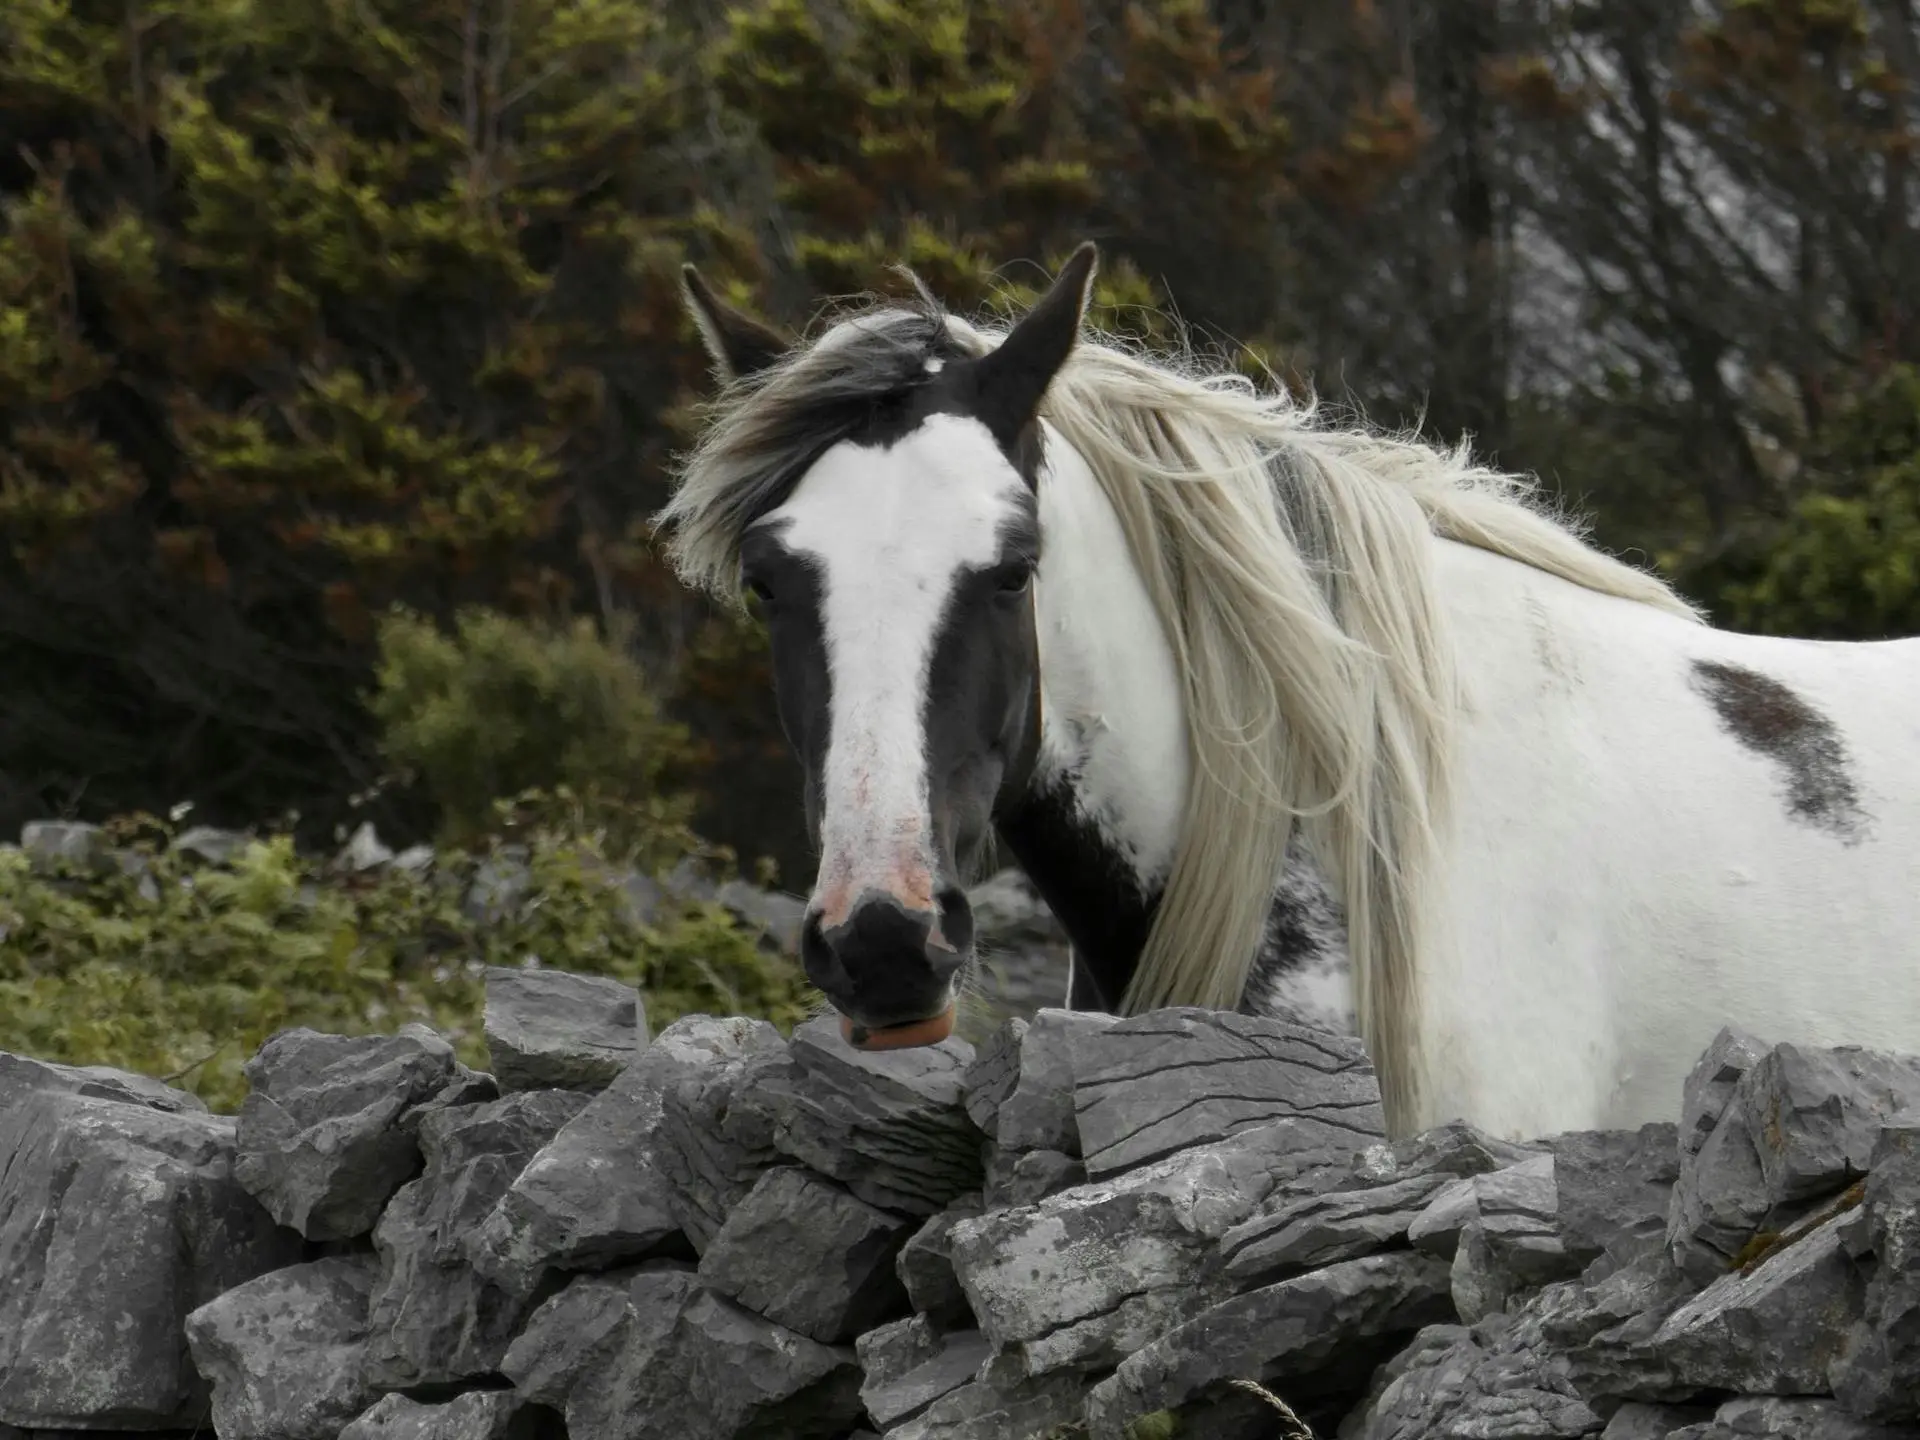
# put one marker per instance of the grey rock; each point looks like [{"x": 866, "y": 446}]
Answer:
[
  {"x": 1307, "y": 1231},
  {"x": 1157, "y": 1083},
  {"x": 888, "y": 1352},
  {"x": 286, "y": 1352},
  {"x": 415, "y": 859},
  {"x": 51, "y": 844},
  {"x": 623, "y": 1361},
  {"x": 1024, "y": 1176},
  {"x": 1603, "y": 1327},
  {"x": 1877, "y": 1376},
  {"x": 925, "y": 1267},
  {"x": 1517, "y": 1210},
  {"x": 435, "y": 1319},
  {"x": 1637, "y": 1421},
  {"x": 1084, "y": 1278},
  {"x": 1457, "y": 1149},
  {"x": 569, "y": 1336},
  {"x": 318, "y": 1140},
  {"x": 1615, "y": 1189},
  {"x": 940, "y": 1364},
  {"x": 479, "y": 1415},
  {"x": 500, "y": 884},
  {"x": 1815, "y": 1114},
  {"x": 1755, "y": 1418},
  {"x": 599, "y": 1193},
  {"x": 890, "y": 1125},
  {"x": 993, "y": 1072},
  {"x": 1036, "y": 1111},
  {"x": 1773, "y": 1330},
  {"x": 1273, "y": 1333},
  {"x": 717, "y": 1124},
  {"x": 547, "y": 1029},
  {"x": 1455, "y": 1383},
  {"x": 1709, "y": 1085},
  {"x": 776, "y": 916},
  {"x": 1008, "y": 911},
  {"x": 208, "y": 844},
  {"x": 1719, "y": 1202},
  {"x": 19, "y": 1075},
  {"x": 995, "y": 1407},
  {"x": 365, "y": 850},
  {"x": 805, "y": 1254},
  {"x": 115, "y": 1221},
  {"x": 709, "y": 1370}
]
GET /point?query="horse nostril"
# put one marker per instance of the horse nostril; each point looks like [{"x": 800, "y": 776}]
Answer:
[
  {"x": 956, "y": 919},
  {"x": 816, "y": 955}
]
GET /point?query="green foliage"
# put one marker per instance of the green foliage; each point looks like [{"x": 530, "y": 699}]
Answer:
[
  {"x": 1845, "y": 562},
  {"x": 497, "y": 707},
  {"x": 159, "y": 964}
]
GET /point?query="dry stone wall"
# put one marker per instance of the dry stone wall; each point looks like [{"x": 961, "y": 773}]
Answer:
[{"x": 1085, "y": 1226}]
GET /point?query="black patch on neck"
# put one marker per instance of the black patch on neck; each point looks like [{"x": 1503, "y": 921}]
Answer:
[
  {"x": 1090, "y": 887},
  {"x": 1777, "y": 723}
]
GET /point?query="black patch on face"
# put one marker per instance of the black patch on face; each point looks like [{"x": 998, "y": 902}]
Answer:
[
  {"x": 1775, "y": 722},
  {"x": 1091, "y": 888},
  {"x": 786, "y": 590}
]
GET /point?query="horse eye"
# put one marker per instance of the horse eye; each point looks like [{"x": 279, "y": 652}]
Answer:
[{"x": 1014, "y": 579}]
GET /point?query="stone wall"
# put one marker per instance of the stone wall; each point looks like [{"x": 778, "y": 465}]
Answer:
[{"x": 1085, "y": 1227}]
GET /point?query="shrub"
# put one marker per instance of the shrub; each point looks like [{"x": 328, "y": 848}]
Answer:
[
  {"x": 501, "y": 707},
  {"x": 154, "y": 962}
]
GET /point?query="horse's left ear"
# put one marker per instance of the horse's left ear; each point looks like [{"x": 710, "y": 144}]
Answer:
[
  {"x": 1013, "y": 379},
  {"x": 737, "y": 344}
]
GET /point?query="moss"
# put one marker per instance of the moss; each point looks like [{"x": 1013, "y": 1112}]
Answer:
[{"x": 169, "y": 967}]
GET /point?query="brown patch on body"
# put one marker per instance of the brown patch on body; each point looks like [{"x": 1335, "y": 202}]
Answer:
[{"x": 1777, "y": 723}]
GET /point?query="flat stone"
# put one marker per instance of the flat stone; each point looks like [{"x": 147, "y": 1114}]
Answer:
[
  {"x": 1313, "y": 1230},
  {"x": 925, "y": 1267},
  {"x": 1020, "y": 1177},
  {"x": 944, "y": 1365},
  {"x": 717, "y": 1122},
  {"x": 1165, "y": 1081},
  {"x": 286, "y": 1352},
  {"x": 1815, "y": 1114},
  {"x": 1877, "y": 1376},
  {"x": 603, "y": 1190},
  {"x": 479, "y": 1415},
  {"x": 1615, "y": 1189},
  {"x": 1457, "y": 1149},
  {"x": 1757, "y": 1418},
  {"x": 1516, "y": 1213},
  {"x": 319, "y": 1142},
  {"x": 435, "y": 1319},
  {"x": 804, "y": 1253},
  {"x": 889, "y": 1125},
  {"x": 709, "y": 1370},
  {"x": 50, "y": 844},
  {"x": 888, "y": 1352},
  {"x": 1603, "y": 1327},
  {"x": 1037, "y": 1111},
  {"x": 20, "y": 1075},
  {"x": 1773, "y": 1330},
  {"x": 547, "y": 1029},
  {"x": 116, "y": 1220},
  {"x": 1273, "y": 1333},
  {"x": 1084, "y": 1278}
]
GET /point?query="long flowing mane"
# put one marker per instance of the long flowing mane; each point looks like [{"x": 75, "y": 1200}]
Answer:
[{"x": 1290, "y": 563}]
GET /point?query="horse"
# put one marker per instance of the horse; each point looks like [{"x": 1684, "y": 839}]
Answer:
[{"x": 1285, "y": 715}]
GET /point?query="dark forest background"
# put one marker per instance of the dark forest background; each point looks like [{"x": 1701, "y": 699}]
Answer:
[{"x": 341, "y": 355}]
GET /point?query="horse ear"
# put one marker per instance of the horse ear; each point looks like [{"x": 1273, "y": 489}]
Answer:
[
  {"x": 1013, "y": 379},
  {"x": 737, "y": 344}
]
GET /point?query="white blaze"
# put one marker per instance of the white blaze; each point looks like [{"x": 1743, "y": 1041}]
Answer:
[{"x": 890, "y": 529}]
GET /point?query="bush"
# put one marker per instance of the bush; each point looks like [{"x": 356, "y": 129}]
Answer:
[
  {"x": 502, "y": 707},
  {"x": 147, "y": 959}
]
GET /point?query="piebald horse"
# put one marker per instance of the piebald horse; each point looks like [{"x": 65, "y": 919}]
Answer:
[{"x": 1278, "y": 715}]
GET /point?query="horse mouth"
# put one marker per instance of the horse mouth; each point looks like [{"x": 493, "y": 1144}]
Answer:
[{"x": 912, "y": 1035}]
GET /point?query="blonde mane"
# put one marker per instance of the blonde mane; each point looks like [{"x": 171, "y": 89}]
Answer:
[{"x": 1290, "y": 565}]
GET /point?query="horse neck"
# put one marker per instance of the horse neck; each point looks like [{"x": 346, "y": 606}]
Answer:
[{"x": 1099, "y": 824}]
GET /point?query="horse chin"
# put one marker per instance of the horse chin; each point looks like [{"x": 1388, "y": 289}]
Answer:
[{"x": 912, "y": 1035}]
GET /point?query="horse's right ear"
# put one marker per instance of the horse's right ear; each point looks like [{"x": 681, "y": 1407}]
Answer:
[{"x": 737, "y": 344}]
